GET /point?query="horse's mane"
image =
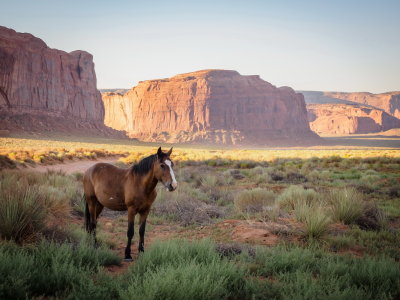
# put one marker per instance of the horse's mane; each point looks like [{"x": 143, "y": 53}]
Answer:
[{"x": 145, "y": 165}]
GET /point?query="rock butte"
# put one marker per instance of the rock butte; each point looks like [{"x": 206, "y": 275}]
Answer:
[
  {"x": 43, "y": 89},
  {"x": 352, "y": 113},
  {"x": 349, "y": 119},
  {"x": 215, "y": 106},
  {"x": 389, "y": 102}
]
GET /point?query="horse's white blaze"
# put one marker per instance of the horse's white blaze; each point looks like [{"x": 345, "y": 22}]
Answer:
[{"x": 174, "y": 183}]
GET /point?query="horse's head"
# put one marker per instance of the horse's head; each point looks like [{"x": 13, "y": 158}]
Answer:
[{"x": 163, "y": 170}]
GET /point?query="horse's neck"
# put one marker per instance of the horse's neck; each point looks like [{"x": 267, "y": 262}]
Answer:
[{"x": 149, "y": 182}]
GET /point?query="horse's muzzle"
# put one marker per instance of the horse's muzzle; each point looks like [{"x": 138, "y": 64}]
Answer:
[{"x": 171, "y": 188}]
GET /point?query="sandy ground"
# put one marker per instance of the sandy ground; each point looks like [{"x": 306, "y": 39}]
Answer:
[{"x": 75, "y": 166}]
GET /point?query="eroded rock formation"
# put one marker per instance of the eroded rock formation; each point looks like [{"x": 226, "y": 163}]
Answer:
[
  {"x": 46, "y": 85},
  {"x": 389, "y": 102},
  {"x": 340, "y": 119},
  {"x": 211, "y": 105}
]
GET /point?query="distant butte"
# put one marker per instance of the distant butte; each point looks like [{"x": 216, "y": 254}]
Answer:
[
  {"x": 213, "y": 106},
  {"x": 337, "y": 113}
]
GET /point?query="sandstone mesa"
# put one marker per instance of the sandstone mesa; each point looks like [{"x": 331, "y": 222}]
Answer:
[{"x": 214, "y": 106}]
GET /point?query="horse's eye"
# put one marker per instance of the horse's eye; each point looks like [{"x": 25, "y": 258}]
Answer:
[{"x": 162, "y": 166}]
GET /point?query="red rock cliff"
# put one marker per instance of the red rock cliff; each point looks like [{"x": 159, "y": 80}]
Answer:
[
  {"x": 210, "y": 105},
  {"x": 46, "y": 83}
]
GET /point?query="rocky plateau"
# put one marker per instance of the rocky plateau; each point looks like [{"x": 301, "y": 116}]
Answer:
[{"x": 212, "y": 106}]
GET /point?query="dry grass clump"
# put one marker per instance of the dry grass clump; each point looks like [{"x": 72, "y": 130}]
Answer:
[
  {"x": 295, "y": 194},
  {"x": 253, "y": 201},
  {"x": 347, "y": 205},
  {"x": 316, "y": 222},
  {"x": 32, "y": 203},
  {"x": 22, "y": 213}
]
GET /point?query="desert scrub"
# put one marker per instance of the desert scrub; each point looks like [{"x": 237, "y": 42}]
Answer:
[
  {"x": 185, "y": 206},
  {"x": 297, "y": 194},
  {"x": 22, "y": 214},
  {"x": 33, "y": 202},
  {"x": 253, "y": 201},
  {"x": 314, "y": 274},
  {"x": 54, "y": 270},
  {"x": 180, "y": 269},
  {"x": 347, "y": 205},
  {"x": 316, "y": 223}
]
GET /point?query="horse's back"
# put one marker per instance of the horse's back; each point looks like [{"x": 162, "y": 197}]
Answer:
[{"x": 105, "y": 182}]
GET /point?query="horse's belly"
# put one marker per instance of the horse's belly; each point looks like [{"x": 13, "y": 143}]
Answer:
[{"x": 114, "y": 204}]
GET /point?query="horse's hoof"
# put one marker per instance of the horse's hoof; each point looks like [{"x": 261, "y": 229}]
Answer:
[{"x": 128, "y": 259}]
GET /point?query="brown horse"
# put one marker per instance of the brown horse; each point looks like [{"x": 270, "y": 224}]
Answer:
[{"x": 130, "y": 189}]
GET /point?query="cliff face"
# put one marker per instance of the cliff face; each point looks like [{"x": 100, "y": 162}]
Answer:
[
  {"x": 349, "y": 119},
  {"x": 211, "y": 105},
  {"x": 389, "y": 102},
  {"x": 42, "y": 82}
]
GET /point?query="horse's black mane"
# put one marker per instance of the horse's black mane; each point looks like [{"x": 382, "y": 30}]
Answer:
[{"x": 145, "y": 165}]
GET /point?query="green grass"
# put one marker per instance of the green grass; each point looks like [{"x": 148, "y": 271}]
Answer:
[
  {"x": 314, "y": 274},
  {"x": 180, "y": 269},
  {"x": 52, "y": 270}
]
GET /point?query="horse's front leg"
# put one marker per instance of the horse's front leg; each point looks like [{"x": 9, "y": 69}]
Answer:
[
  {"x": 130, "y": 232},
  {"x": 142, "y": 229}
]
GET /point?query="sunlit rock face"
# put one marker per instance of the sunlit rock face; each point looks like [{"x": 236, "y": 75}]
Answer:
[
  {"x": 214, "y": 106},
  {"x": 338, "y": 119},
  {"x": 40, "y": 86}
]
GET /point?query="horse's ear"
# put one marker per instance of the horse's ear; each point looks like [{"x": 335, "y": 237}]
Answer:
[
  {"x": 170, "y": 151},
  {"x": 159, "y": 152}
]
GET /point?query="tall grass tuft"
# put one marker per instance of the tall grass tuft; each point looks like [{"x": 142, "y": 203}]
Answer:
[
  {"x": 347, "y": 205},
  {"x": 295, "y": 194},
  {"x": 316, "y": 223},
  {"x": 22, "y": 215}
]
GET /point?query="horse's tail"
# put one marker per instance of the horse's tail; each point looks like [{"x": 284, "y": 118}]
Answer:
[{"x": 87, "y": 214}]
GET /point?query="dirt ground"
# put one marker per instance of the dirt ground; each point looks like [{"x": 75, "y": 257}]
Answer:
[{"x": 73, "y": 166}]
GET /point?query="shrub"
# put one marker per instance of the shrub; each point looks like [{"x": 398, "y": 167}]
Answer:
[
  {"x": 185, "y": 208},
  {"x": 252, "y": 201},
  {"x": 346, "y": 204}
]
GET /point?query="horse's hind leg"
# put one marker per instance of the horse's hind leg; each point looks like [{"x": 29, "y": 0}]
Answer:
[{"x": 95, "y": 208}]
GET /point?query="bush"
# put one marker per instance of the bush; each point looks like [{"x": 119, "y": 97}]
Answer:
[
  {"x": 185, "y": 208},
  {"x": 252, "y": 201},
  {"x": 346, "y": 204}
]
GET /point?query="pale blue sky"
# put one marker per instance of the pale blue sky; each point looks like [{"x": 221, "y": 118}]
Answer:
[{"x": 308, "y": 45}]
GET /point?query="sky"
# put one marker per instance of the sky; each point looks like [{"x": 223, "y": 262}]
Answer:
[{"x": 320, "y": 45}]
